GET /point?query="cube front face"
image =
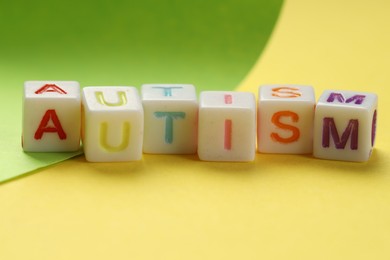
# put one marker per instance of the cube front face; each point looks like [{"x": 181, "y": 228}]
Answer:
[
  {"x": 285, "y": 119},
  {"x": 227, "y": 126},
  {"x": 51, "y": 116},
  {"x": 345, "y": 125},
  {"x": 170, "y": 119},
  {"x": 112, "y": 124}
]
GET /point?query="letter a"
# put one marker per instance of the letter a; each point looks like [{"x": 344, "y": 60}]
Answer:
[
  {"x": 44, "y": 128},
  {"x": 50, "y": 88}
]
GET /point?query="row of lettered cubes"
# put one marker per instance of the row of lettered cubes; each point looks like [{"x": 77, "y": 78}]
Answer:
[{"x": 117, "y": 124}]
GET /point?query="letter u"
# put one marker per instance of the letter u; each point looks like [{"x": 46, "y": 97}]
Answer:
[
  {"x": 122, "y": 100},
  {"x": 125, "y": 138}
]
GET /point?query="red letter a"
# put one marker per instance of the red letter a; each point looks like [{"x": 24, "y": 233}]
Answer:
[
  {"x": 44, "y": 128},
  {"x": 50, "y": 88}
]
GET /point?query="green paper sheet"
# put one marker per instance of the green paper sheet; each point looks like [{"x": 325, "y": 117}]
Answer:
[{"x": 211, "y": 44}]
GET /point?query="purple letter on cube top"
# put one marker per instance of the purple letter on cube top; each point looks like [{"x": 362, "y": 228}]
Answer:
[{"x": 359, "y": 99}]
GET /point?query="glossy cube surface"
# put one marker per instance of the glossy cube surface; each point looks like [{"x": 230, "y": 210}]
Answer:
[
  {"x": 345, "y": 125},
  {"x": 170, "y": 118},
  {"x": 285, "y": 119},
  {"x": 112, "y": 125},
  {"x": 51, "y": 116},
  {"x": 227, "y": 126}
]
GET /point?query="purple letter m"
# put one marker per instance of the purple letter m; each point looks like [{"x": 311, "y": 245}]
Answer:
[
  {"x": 358, "y": 99},
  {"x": 329, "y": 128}
]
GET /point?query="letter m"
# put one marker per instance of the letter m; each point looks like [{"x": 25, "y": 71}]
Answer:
[
  {"x": 351, "y": 131},
  {"x": 357, "y": 99}
]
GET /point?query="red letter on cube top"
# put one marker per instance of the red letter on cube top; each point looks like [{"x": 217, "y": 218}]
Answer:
[{"x": 50, "y": 88}]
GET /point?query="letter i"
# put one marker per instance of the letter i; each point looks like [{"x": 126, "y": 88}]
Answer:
[
  {"x": 228, "y": 125},
  {"x": 228, "y": 134}
]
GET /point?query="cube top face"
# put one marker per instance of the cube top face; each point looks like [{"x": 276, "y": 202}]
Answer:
[
  {"x": 168, "y": 92},
  {"x": 52, "y": 89},
  {"x": 348, "y": 99},
  {"x": 227, "y": 99},
  {"x": 111, "y": 98},
  {"x": 286, "y": 93}
]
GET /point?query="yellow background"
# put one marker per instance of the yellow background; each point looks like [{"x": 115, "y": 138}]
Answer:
[{"x": 278, "y": 207}]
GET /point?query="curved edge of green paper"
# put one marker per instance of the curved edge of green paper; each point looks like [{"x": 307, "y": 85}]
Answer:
[{"x": 211, "y": 44}]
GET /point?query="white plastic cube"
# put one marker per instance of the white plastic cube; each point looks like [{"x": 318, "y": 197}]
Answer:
[
  {"x": 51, "y": 116},
  {"x": 345, "y": 125},
  {"x": 170, "y": 118},
  {"x": 112, "y": 125},
  {"x": 285, "y": 119},
  {"x": 227, "y": 126}
]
